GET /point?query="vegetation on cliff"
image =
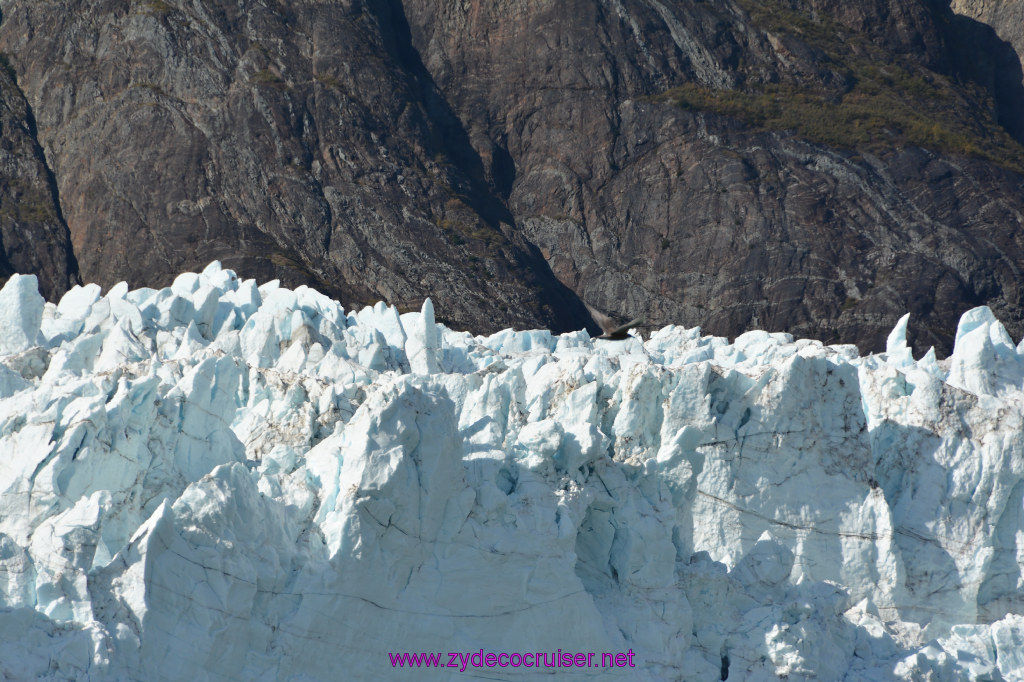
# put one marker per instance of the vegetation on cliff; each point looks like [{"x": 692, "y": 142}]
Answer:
[{"x": 873, "y": 103}]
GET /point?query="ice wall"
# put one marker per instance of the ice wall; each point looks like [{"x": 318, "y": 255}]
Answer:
[{"x": 220, "y": 480}]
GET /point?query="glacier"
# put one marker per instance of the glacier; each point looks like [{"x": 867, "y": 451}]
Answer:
[{"x": 221, "y": 480}]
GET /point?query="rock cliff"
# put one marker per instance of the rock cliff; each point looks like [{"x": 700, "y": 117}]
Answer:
[
  {"x": 1005, "y": 16},
  {"x": 33, "y": 235},
  {"x": 287, "y": 141},
  {"x": 807, "y": 165},
  {"x": 714, "y": 216}
]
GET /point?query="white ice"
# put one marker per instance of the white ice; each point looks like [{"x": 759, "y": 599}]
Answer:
[{"x": 220, "y": 480}]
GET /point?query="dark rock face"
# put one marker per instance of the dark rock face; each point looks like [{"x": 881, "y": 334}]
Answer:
[
  {"x": 688, "y": 217},
  {"x": 285, "y": 140},
  {"x": 33, "y": 236},
  {"x": 509, "y": 158},
  {"x": 1001, "y": 72},
  {"x": 1006, "y": 17}
]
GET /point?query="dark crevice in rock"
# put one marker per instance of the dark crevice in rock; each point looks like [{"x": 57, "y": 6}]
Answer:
[
  {"x": 34, "y": 237},
  {"x": 451, "y": 140},
  {"x": 981, "y": 56},
  {"x": 71, "y": 262}
]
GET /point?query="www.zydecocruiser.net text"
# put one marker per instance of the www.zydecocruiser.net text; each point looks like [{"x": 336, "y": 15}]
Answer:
[{"x": 531, "y": 659}]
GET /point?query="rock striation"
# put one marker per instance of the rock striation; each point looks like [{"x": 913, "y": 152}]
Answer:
[{"x": 224, "y": 480}]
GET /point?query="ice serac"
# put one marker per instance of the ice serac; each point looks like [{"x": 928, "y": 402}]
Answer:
[
  {"x": 220, "y": 480},
  {"x": 424, "y": 340},
  {"x": 21, "y": 314}
]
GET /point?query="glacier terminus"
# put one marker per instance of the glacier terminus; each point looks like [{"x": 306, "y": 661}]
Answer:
[{"x": 221, "y": 480}]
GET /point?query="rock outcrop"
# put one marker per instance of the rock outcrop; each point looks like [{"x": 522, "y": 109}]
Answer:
[
  {"x": 33, "y": 236},
  {"x": 694, "y": 217},
  {"x": 289, "y": 142},
  {"x": 1005, "y": 16},
  {"x": 814, "y": 166}
]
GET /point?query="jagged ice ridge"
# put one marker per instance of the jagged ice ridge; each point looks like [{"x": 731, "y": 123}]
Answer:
[{"x": 225, "y": 481}]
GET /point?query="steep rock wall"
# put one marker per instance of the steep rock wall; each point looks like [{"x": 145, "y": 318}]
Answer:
[{"x": 814, "y": 166}]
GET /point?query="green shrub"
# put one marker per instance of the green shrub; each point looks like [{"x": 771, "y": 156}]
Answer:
[
  {"x": 328, "y": 81},
  {"x": 268, "y": 77},
  {"x": 158, "y": 7},
  {"x": 884, "y": 106}
]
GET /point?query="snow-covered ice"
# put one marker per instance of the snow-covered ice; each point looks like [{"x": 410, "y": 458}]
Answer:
[{"x": 220, "y": 480}]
